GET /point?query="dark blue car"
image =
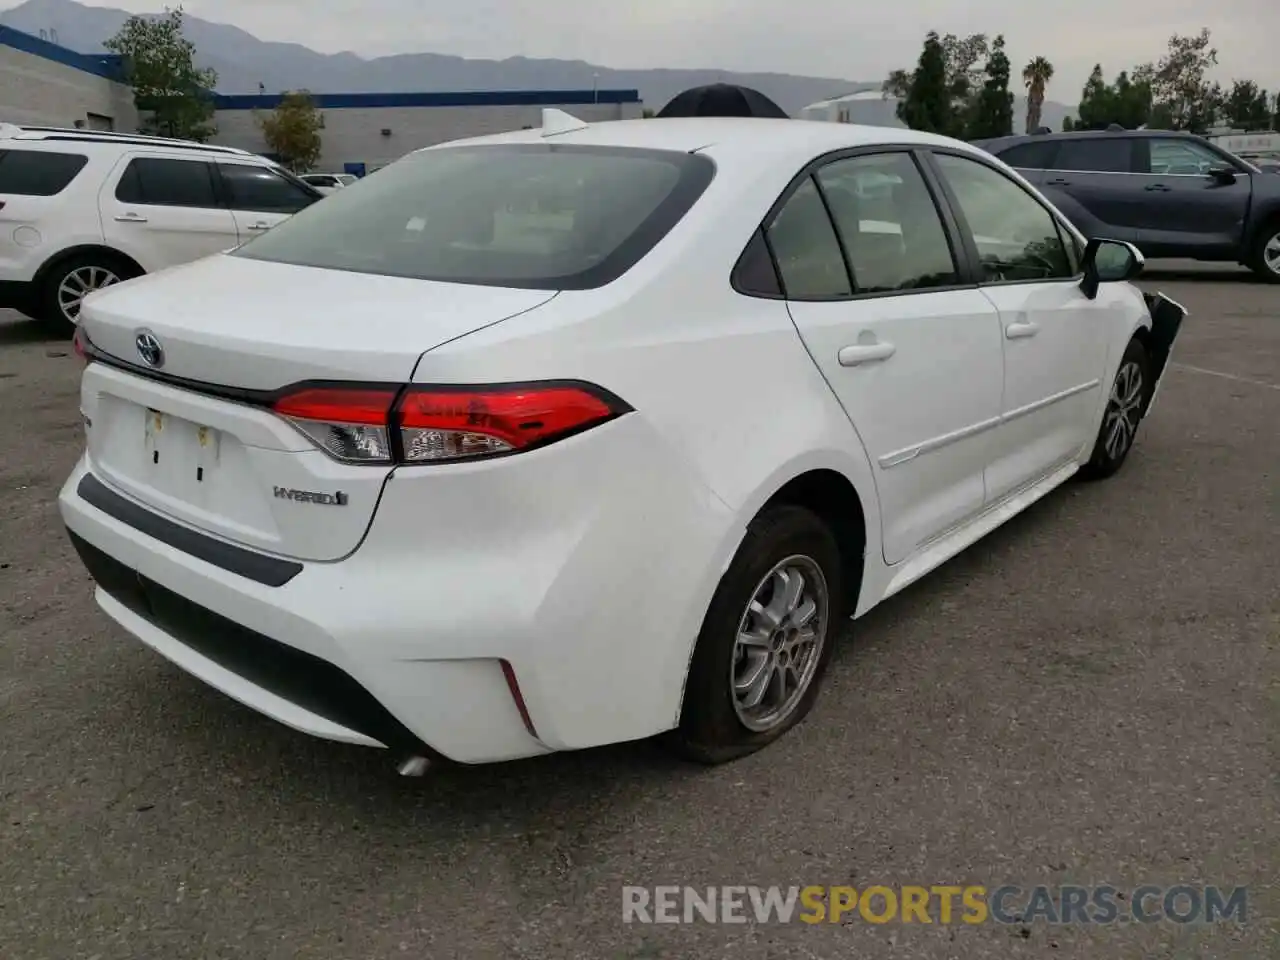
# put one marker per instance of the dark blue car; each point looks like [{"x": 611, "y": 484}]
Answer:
[{"x": 1171, "y": 194}]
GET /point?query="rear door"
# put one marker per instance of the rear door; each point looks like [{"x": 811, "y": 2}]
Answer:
[
  {"x": 164, "y": 211},
  {"x": 1195, "y": 214},
  {"x": 1098, "y": 173},
  {"x": 259, "y": 197},
  {"x": 31, "y": 182},
  {"x": 909, "y": 348}
]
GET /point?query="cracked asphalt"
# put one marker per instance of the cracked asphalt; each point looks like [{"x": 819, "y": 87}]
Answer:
[{"x": 1090, "y": 695}]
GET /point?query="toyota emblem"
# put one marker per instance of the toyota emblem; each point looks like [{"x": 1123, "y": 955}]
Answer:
[{"x": 149, "y": 348}]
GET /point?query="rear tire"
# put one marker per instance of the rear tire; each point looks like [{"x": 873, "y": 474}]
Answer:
[
  {"x": 768, "y": 636},
  {"x": 68, "y": 281},
  {"x": 1126, "y": 406},
  {"x": 1264, "y": 258}
]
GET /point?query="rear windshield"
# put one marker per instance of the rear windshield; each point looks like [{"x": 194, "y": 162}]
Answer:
[
  {"x": 539, "y": 216},
  {"x": 38, "y": 173}
]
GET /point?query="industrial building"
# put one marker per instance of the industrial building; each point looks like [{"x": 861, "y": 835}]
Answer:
[
  {"x": 870, "y": 107},
  {"x": 364, "y": 131},
  {"x": 45, "y": 84}
]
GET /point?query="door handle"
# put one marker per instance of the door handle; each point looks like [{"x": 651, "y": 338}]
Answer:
[
  {"x": 259, "y": 226},
  {"x": 1059, "y": 182},
  {"x": 130, "y": 218},
  {"x": 1158, "y": 188},
  {"x": 1021, "y": 329},
  {"x": 865, "y": 353}
]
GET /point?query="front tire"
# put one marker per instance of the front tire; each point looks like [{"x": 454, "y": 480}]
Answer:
[
  {"x": 68, "y": 282},
  {"x": 766, "y": 640},
  {"x": 1126, "y": 406},
  {"x": 1264, "y": 259}
]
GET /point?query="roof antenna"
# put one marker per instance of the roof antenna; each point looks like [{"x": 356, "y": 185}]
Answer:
[{"x": 556, "y": 122}]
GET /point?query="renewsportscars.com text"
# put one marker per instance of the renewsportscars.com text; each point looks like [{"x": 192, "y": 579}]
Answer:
[{"x": 940, "y": 904}]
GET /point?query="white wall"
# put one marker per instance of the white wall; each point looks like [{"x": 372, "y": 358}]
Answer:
[
  {"x": 39, "y": 91},
  {"x": 354, "y": 135}
]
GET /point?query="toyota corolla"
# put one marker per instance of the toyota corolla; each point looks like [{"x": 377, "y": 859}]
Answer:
[{"x": 592, "y": 433}]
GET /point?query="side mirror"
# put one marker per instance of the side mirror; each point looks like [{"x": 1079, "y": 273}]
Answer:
[
  {"x": 1109, "y": 261},
  {"x": 1223, "y": 175}
]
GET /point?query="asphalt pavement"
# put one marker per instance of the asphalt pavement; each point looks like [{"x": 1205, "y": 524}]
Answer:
[{"x": 1091, "y": 695}]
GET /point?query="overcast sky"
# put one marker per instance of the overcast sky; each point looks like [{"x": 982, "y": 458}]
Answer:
[{"x": 837, "y": 38}]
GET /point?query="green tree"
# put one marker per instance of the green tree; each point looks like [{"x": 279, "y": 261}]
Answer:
[
  {"x": 292, "y": 131},
  {"x": 1035, "y": 77},
  {"x": 926, "y": 103},
  {"x": 1183, "y": 98},
  {"x": 173, "y": 96},
  {"x": 1246, "y": 106},
  {"x": 992, "y": 114},
  {"x": 1068, "y": 123},
  {"x": 962, "y": 77},
  {"x": 1126, "y": 102}
]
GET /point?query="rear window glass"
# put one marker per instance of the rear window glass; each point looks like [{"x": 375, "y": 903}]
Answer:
[
  {"x": 1096, "y": 155},
  {"x": 38, "y": 173},
  {"x": 542, "y": 216}
]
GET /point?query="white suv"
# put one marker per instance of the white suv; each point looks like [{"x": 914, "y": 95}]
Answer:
[{"x": 81, "y": 209}]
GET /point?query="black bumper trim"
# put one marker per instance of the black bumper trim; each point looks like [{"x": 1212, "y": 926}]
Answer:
[
  {"x": 269, "y": 571},
  {"x": 310, "y": 682}
]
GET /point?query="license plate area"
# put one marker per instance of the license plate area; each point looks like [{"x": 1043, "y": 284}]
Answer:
[{"x": 180, "y": 457}]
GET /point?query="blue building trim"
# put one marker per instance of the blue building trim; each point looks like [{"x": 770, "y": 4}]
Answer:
[
  {"x": 110, "y": 66},
  {"x": 474, "y": 98}
]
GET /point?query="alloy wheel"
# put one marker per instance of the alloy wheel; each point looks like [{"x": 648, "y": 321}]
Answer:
[
  {"x": 1271, "y": 254},
  {"x": 780, "y": 640},
  {"x": 1124, "y": 411},
  {"x": 78, "y": 284}
]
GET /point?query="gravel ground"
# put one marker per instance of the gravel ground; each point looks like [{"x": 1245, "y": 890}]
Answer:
[{"x": 1090, "y": 695}]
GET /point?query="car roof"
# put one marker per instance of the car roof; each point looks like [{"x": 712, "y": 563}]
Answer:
[
  {"x": 1081, "y": 135},
  {"x": 727, "y": 135},
  {"x": 32, "y": 135}
]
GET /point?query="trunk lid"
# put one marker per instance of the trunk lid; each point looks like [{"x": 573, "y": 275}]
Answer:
[{"x": 204, "y": 449}]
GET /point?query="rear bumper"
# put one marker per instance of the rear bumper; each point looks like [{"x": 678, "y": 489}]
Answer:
[{"x": 590, "y": 598}]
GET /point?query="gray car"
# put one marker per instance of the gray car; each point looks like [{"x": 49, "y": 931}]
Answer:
[{"x": 1169, "y": 193}]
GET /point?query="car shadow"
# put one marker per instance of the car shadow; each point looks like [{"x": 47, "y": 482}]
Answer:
[
  {"x": 23, "y": 331},
  {"x": 1191, "y": 275}
]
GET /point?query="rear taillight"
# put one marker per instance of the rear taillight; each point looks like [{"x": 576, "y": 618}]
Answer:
[
  {"x": 80, "y": 343},
  {"x": 348, "y": 424},
  {"x": 424, "y": 424}
]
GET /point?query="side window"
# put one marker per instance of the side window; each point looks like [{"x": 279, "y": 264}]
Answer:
[
  {"x": 1179, "y": 157},
  {"x": 162, "y": 182},
  {"x": 1017, "y": 237},
  {"x": 1035, "y": 155},
  {"x": 805, "y": 246},
  {"x": 1095, "y": 155},
  {"x": 262, "y": 190},
  {"x": 754, "y": 274},
  {"x": 321, "y": 181},
  {"x": 36, "y": 173},
  {"x": 888, "y": 223}
]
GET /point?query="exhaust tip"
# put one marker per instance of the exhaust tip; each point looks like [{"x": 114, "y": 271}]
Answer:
[{"x": 414, "y": 767}]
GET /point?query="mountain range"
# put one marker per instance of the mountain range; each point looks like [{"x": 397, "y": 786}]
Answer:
[{"x": 246, "y": 64}]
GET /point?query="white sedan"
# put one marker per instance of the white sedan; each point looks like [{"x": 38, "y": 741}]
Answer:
[
  {"x": 328, "y": 183},
  {"x": 592, "y": 433}
]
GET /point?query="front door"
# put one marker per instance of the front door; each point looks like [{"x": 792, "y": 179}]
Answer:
[
  {"x": 164, "y": 211},
  {"x": 1193, "y": 214},
  {"x": 260, "y": 197},
  {"x": 1054, "y": 337},
  {"x": 912, "y": 354}
]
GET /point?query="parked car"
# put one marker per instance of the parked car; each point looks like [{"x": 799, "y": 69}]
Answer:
[
  {"x": 438, "y": 467},
  {"x": 328, "y": 183},
  {"x": 1171, "y": 194},
  {"x": 83, "y": 209}
]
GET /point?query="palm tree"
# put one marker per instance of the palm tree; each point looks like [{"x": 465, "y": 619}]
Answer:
[{"x": 1035, "y": 77}]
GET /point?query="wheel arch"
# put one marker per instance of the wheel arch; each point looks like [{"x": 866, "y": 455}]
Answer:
[{"x": 80, "y": 250}]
